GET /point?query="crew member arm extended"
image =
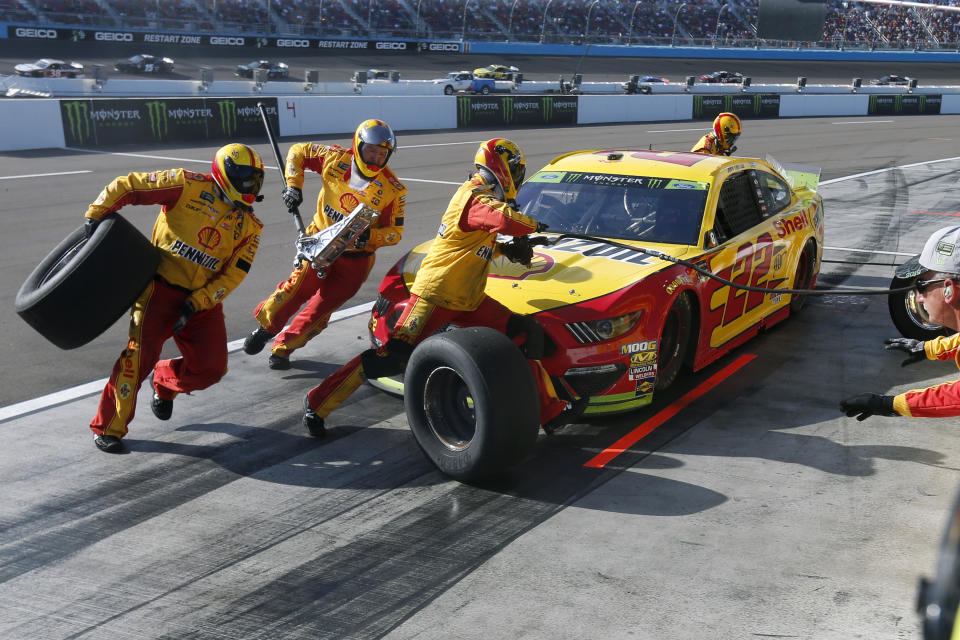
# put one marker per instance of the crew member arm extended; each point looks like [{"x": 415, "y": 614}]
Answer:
[
  {"x": 134, "y": 188},
  {"x": 486, "y": 213}
]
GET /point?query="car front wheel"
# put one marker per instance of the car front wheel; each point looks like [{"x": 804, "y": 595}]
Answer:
[{"x": 676, "y": 338}]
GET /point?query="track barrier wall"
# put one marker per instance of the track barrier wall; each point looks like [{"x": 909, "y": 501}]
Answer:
[{"x": 38, "y": 123}]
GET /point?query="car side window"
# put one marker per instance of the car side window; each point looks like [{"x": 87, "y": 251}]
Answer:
[
  {"x": 738, "y": 209},
  {"x": 774, "y": 191}
]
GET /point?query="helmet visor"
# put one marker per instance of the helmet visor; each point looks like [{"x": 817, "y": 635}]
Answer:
[
  {"x": 517, "y": 172},
  {"x": 243, "y": 177},
  {"x": 379, "y": 135}
]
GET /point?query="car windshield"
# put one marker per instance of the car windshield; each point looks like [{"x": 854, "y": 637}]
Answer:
[
  {"x": 136, "y": 59},
  {"x": 616, "y": 206},
  {"x": 43, "y": 64}
]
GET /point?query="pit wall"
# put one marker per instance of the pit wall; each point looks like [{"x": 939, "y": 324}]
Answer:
[{"x": 37, "y": 123}]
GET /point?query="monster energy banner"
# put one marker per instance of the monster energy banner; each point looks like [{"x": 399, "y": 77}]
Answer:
[
  {"x": 106, "y": 122},
  {"x": 494, "y": 111},
  {"x": 759, "y": 105},
  {"x": 904, "y": 104}
]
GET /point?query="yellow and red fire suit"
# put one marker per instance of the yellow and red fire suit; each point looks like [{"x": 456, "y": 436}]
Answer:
[
  {"x": 938, "y": 401},
  {"x": 449, "y": 288},
  {"x": 207, "y": 247},
  {"x": 709, "y": 144},
  {"x": 322, "y": 297}
]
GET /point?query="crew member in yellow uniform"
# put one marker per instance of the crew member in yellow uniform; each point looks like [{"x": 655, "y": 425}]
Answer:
[
  {"x": 208, "y": 237},
  {"x": 450, "y": 284},
  {"x": 350, "y": 177},
  {"x": 720, "y": 142}
]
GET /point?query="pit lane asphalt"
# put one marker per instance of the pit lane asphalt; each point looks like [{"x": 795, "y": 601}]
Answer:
[{"x": 758, "y": 510}]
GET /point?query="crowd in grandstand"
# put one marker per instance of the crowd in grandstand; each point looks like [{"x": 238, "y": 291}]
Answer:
[{"x": 616, "y": 21}]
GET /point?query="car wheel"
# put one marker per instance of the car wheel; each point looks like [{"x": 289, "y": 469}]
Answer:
[
  {"x": 803, "y": 277},
  {"x": 74, "y": 294},
  {"x": 676, "y": 338},
  {"x": 909, "y": 316},
  {"x": 472, "y": 402},
  {"x": 448, "y": 90},
  {"x": 485, "y": 90}
]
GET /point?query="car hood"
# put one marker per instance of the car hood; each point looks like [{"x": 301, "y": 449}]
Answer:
[
  {"x": 570, "y": 272},
  {"x": 26, "y": 65}
]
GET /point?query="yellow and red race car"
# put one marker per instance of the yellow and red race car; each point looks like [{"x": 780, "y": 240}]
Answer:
[
  {"x": 623, "y": 323},
  {"x": 496, "y": 71}
]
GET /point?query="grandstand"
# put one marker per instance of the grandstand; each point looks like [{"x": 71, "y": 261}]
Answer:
[{"x": 649, "y": 22}]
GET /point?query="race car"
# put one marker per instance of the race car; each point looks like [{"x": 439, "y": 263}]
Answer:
[
  {"x": 144, "y": 63},
  {"x": 496, "y": 71},
  {"x": 722, "y": 76},
  {"x": 636, "y": 280},
  {"x": 275, "y": 70},
  {"x": 640, "y": 84},
  {"x": 49, "y": 68},
  {"x": 890, "y": 79}
]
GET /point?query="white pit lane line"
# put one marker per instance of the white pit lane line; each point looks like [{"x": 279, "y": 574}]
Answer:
[
  {"x": 67, "y": 395},
  {"x": 45, "y": 175}
]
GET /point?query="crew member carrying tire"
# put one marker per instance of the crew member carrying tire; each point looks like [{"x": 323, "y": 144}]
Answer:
[
  {"x": 449, "y": 286},
  {"x": 720, "y": 142},
  {"x": 208, "y": 237},
  {"x": 350, "y": 177}
]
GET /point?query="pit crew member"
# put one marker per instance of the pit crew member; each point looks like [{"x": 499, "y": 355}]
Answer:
[{"x": 720, "y": 142}]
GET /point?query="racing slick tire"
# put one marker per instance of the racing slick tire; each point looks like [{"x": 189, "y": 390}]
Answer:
[
  {"x": 803, "y": 277},
  {"x": 84, "y": 285},
  {"x": 909, "y": 316},
  {"x": 472, "y": 402},
  {"x": 676, "y": 338}
]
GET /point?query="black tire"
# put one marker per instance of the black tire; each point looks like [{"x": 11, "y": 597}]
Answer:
[
  {"x": 803, "y": 277},
  {"x": 485, "y": 89},
  {"x": 83, "y": 286},
  {"x": 676, "y": 338},
  {"x": 448, "y": 90},
  {"x": 909, "y": 316},
  {"x": 472, "y": 402}
]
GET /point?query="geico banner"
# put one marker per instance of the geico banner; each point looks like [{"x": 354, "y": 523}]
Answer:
[
  {"x": 904, "y": 104},
  {"x": 757, "y": 105},
  {"x": 485, "y": 111},
  {"x": 102, "y": 122}
]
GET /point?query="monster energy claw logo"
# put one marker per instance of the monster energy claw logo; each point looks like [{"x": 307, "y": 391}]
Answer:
[
  {"x": 157, "y": 112},
  {"x": 547, "y": 109},
  {"x": 77, "y": 114},
  {"x": 756, "y": 104},
  {"x": 463, "y": 110},
  {"x": 228, "y": 116},
  {"x": 507, "y": 109}
]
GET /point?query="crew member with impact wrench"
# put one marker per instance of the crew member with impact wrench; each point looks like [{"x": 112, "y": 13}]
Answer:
[{"x": 449, "y": 287}]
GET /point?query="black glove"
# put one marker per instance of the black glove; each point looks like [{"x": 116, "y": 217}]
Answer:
[
  {"x": 867, "y": 404},
  {"x": 541, "y": 227},
  {"x": 361, "y": 240},
  {"x": 908, "y": 345},
  {"x": 89, "y": 226},
  {"x": 519, "y": 250},
  {"x": 292, "y": 197},
  {"x": 186, "y": 312}
]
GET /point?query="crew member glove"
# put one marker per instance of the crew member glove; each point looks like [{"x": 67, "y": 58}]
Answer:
[
  {"x": 519, "y": 250},
  {"x": 867, "y": 404},
  {"x": 541, "y": 227},
  {"x": 908, "y": 345},
  {"x": 292, "y": 197},
  {"x": 186, "y": 312},
  {"x": 361, "y": 240},
  {"x": 89, "y": 226}
]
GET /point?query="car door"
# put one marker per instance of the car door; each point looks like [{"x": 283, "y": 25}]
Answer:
[{"x": 743, "y": 233}]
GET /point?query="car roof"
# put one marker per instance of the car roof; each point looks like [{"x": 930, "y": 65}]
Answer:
[{"x": 682, "y": 165}]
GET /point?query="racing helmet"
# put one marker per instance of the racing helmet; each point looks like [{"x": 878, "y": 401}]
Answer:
[
  {"x": 504, "y": 159},
  {"x": 727, "y": 126},
  {"x": 375, "y": 132},
  {"x": 238, "y": 171}
]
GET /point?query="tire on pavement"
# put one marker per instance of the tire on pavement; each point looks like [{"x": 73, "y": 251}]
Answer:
[
  {"x": 472, "y": 402},
  {"x": 676, "y": 338},
  {"x": 83, "y": 286}
]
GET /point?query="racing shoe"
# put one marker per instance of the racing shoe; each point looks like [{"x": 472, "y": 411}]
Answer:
[
  {"x": 253, "y": 343},
  {"x": 312, "y": 421},
  {"x": 571, "y": 414},
  {"x": 110, "y": 444},
  {"x": 280, "y": 363},
  {"x": 161, "y": 408}
]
